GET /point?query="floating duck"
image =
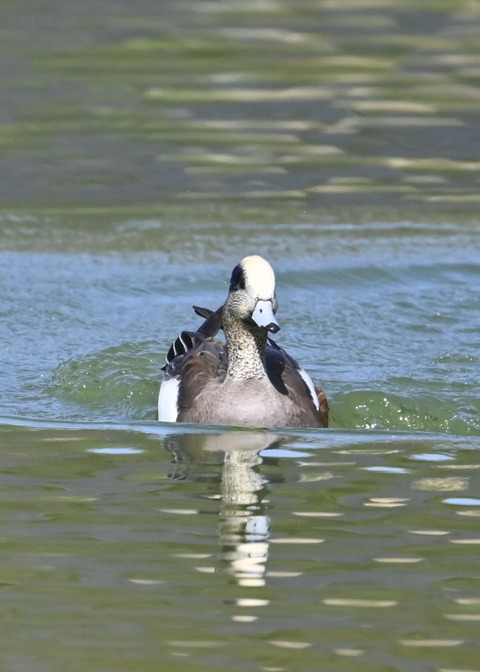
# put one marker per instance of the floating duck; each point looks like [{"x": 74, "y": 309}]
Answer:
[{"x": 247, "y": 380}]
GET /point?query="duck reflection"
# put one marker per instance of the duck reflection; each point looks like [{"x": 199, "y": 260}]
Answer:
[{"x": 243, "y": 524}]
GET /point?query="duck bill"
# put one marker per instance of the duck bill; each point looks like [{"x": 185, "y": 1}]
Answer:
[{"x": 264, "y": 317}]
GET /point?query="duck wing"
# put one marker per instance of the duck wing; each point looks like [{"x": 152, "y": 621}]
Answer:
[
  {"x": 290, "y": 379},
  {"x": 189, "y": 340},
  {"x": 193, "y": 360}
]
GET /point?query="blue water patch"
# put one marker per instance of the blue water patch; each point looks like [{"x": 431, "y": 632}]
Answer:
[
  {"x": 388, "y": 470},
  {"x": 115, "y": 450},
  {"x": 462, "y": 501},
  {"x": 432, "y": 457},
  {"x": 283, "y": 452}
]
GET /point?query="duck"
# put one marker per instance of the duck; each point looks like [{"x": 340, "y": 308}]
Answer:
[{"x": 246, "y": 380}]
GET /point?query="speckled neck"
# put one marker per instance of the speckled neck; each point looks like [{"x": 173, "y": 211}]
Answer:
[{"x": 246, "y": 348}]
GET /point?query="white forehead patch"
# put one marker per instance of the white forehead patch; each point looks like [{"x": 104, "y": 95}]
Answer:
[{"x": 259, "y": 276}]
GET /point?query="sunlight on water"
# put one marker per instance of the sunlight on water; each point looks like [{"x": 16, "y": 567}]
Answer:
[
  {"x": 318, "y": 104},
  {"x": 144, "y": 150},
  {"x": 172, "y": 521}
]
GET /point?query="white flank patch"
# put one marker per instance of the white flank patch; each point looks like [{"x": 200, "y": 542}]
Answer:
[
  {"x": 259, "y": 276},
  {"x": 310, "y": 386},
  {"x": 167, "y": 400}
]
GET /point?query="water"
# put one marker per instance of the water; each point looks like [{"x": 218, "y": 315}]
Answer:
[
  {"x": 143, "y": 153},
  {"x": 129, "y": 547}
]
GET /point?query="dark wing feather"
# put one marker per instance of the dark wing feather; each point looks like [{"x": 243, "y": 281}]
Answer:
[
  {"x": 185, "y": 341},
  {"x": 189, "y": 340},
  {"x": 284, "y": 374},
  {"x": 196, "y": 358},
  {"x": 213, "y": 320},
  {"x": 203, "y": 312}
]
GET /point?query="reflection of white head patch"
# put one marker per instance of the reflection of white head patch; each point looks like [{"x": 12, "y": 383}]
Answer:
[{"x": 259, "y": 276}]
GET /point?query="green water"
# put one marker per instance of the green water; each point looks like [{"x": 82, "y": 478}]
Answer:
[
  {"x": 144, "y": 149},
  {"x": 316, "y": 104}
]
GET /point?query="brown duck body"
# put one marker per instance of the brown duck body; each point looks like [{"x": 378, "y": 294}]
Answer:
[{"x": 246, "y": 381}]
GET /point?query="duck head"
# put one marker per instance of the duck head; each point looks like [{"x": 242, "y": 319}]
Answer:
[{"x": 251, "y": 296}]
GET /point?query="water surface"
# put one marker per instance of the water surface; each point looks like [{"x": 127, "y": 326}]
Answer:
[{"x": 143, "y": 151}]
